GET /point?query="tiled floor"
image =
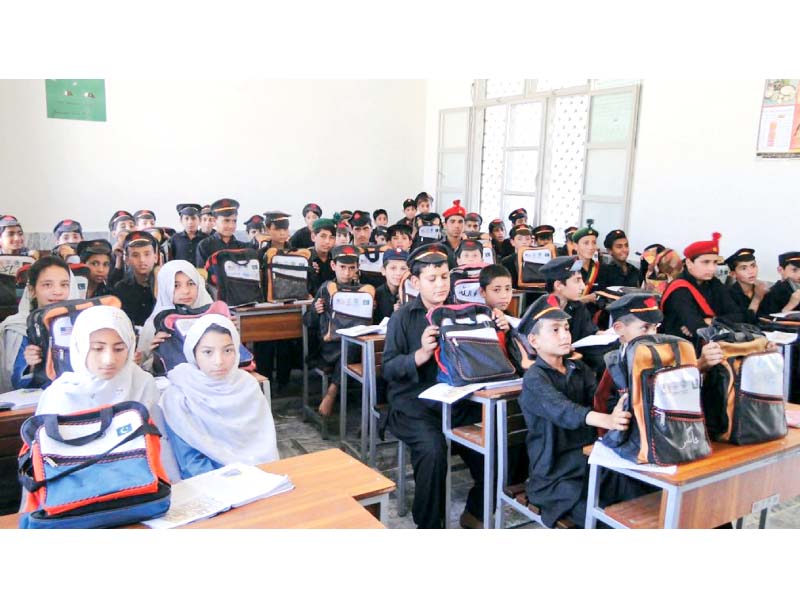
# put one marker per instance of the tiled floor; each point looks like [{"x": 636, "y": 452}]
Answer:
[{"x": 298, "y": 437}]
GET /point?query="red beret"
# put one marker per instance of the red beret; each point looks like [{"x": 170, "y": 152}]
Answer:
[
  {"x": 455, "y": 211},
  {"x": 711, "y": 246}
]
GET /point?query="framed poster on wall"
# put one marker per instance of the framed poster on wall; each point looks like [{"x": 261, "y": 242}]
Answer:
[
  {"x": 779, "y": 127},
  {"x": 78, "y": 99}
]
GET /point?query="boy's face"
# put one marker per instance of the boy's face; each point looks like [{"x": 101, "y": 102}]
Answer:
[
  {"x": 423, "y": 207},
  {"x": 544, "y": 238},
  {"x": 393, "y": 272},
  {"x": 746, "y": 272},
  {"x": 620, "y": 250},
  {"x": 790, "y": 272},
  {"x": 382, "y": 220},
  {"x": 226, "y": 225},
  {"x": 323, "y": 241},
  {"x": 251, "y": 233},
  {"x": 401, "y": 241},
  {"x": 572, "y": 288},
  {"x": 635, "y": 328},
  {"x": 310, "y": 217},
  {"x": 12, "y": 239},
  {"x": 498, "y": 234},
  {"x": 521, "y": 221},
  {"x": 145, "y": 223},
  {"x": 342, "y": 237},
  {"x": 345, "y": 272},
  {"x": 702, "y": 268},
  {"x": 70, "y": 237},
  {"x": 125, "y": 226},
  {"x": 454, "y": 227},
  {"x": 587, "y": 246},
  {"x": 410, "y": 212},
  {"x": 471, "y": 226},
  {"x": 191, "y": 223},
  {"x": 433, "y": 284},
  {"x": 470, "y": 257},
  {"x": 142, "y": 259},
  {"x": 207, "y": 223},
  {"x": 521, "y": 241},
  {"x": 498, "y": 293},
  {"x": 361, "y": 234},
  {"x": 99, "y": 266},
  {"x": 553, "y": 338},
  {"x": 278, "y": 235},
  {"x": 380, "y": 239}
]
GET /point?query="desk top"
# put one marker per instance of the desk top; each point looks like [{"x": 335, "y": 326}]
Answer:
[
  {"x": 501, "y": 393},
  {"x": 271, "y": 306}
]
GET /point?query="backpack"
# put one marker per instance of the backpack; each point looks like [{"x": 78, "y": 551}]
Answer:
[
  {"x": 663, "y": 386},
  {"x": 176, "y": 322},
  {"x": 50, "y": 328},
  {"x": 406, "y": 291},
  {"x": 370, "y": 262},
  {"x": 346, "y": 306},
  {"x": 465, "y": 284},
  {"x": 529, "y": 261},
  {"x": 469, "y": 350},
  {"x": 10, "y": 264},
  {"x": 743, "y": 396},
  {"x": 95, "y": 468},
  {"x": 236, "y": 276},
  {"x": 427, "y": 234},
  {"x": 287, "y": 274}
]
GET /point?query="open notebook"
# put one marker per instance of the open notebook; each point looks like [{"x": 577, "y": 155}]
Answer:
[{"x": 214, "y": 492}]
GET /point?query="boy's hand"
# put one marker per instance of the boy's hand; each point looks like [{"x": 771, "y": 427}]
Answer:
[
  {"x": 588, "y": 298},
  {"x": 710, "y": 356},
  {"x": 319, "y": 306},
  {"x": 158, "y": 339},
  {"x": 33, "y": 355},
  {"x": 397, "y": 305},
  {"x": 429, "y": 341},
  {"x": 619, "y": 419},
  {"x": 760, "y": 290},
  {"x": 500, "y": 320},
  {"x": 794, "y": 300}
]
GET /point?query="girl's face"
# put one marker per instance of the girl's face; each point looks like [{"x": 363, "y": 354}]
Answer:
[
  {"x": 587, "y": 246},
  {"x": 185, "y": 290},
  {"x": 107, "y": 354},
  {"x": 12, "y": 239},
  {"x": 51, "y": 286},
  {"x": 215, "y": 354}
]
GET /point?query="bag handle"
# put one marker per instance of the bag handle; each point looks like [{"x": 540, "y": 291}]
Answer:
[
  {"x": 51, "y": 423},
  {"x": 658, "y": 363}
]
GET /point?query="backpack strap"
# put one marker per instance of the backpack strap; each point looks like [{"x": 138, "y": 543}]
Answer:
[{"x": 698, "y": 297}]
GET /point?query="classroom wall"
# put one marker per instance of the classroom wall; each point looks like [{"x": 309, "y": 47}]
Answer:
[{"x": 272, "y": 145}]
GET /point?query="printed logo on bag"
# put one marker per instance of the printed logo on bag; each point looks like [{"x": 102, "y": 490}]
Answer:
[
  {"x": 290, "y": 261},
  {"x": 468, "y": 291},
  {"x": 430, "y": 232},
  {"x": 539, "y": 256},
  {"x": 690, "y": 439},
  {"x": 248, "y": 271},
  {"x": 488, "y": 255},
  {"x": 125, "y": 429}
]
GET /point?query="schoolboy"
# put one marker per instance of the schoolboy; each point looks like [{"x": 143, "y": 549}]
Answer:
[
  {"x": 569, "y": 247},
  {"x": 399, "y": 236},
  {"x": 379, "y": 235},
  {"x": 135, "y": 290},
  {"x": 746, "y": 290},
  {"x": 302, "y": 237},
  {"x": 225, "y": 212},
  {"x": 68, "y": 231},
  {"x": 496, "y": 290},
  {"x": 454, "y": 225},
  {"x": 12, "y": 238},
  {"x": 585, "y": 240},
  {"x": 207, "y": 220},
  {"x": 784, "y": 296},
  {"x": 145, "y": 219},
  {"x": 518, "y": 216},
  {"x": 386, "y": 296},
  {"x": 324, "y": 238},
  {"x": 469, "y": 252},
  {"x": 619, "y": 271},
  {"x": 120, "y": 224},
  {"x": 543, "y": 235},
  {"x": 424, "y": 203},
  {"x": 381, "y": 217},
  {"x": 361, "y": 225},
  {"x": 343, "y": 234},
  {"x": 409, "y": 213},
  {"x": 521, "y": 237},
  {"x": 473, "y": 222},
  {"x": 254, "y": 226},
  {"x": 409, "y": 368},
  {"x": 96, "y": 254},
  {"x": 183, "y": 245},
  {"x": 277, "y": 223},
  {"x": 497, "y": 232}
]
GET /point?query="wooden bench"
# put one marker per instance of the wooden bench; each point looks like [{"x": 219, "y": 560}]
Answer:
[{"x": 639, "y": 513}]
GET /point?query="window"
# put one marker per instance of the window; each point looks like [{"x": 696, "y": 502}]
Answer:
[{"x": 453, "y": 159}]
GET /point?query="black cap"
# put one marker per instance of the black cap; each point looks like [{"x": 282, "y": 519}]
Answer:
[
  {"x": 345, "y": 214},
  {"x": 140, "y": 238},
  {"x": 469, "y": 245},
  {"x": 394, "y": 254},
  {"x": 88, "y": 247},
  {"x": 278, "y": 219},
  {"x": 541, "y": 230},
  {"x": 519, "y": 213},
  {"x": 67, "y": 226},
  {"x": 473, "y": 216},
  {"x": 345, "y": 253},
  {"x": 496, "y": 224},
  {"x": 378, "y": 212},
  {"x": 789, "y": 258},
  {"x": 206, "y": 210},
  {"x": 144, "y": 214},
  {"x": 120, "y": 215},
  {"x": 224, "y": 207},
  {"x": 569, "y": 231},
  {"x": 409, "y": 202},
  {"x": 545, "y": 308},
  {"x": 360, "y": 218},
  {"x": 428, "y": 218},
  {"x": 741, "y": 255},
  {"x": 312, "y": 207},
  {"x": 561, "y": 267},
  {"x": 584, "y": 231},
  {"x": 255, "y": 222},
  {"x": 9, "y": 221},
  {"x": 429, "y": 254},
  {"x": 398, "y": 228},
  {"x": 612, "y": 236},
  {"x": 520, "y": 230},
  {"x": 641, "y": 306},
  {"x": 188, "y": 210}
]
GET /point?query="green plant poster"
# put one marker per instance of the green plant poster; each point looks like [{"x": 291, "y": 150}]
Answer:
[{"x": 80, "y": 99}]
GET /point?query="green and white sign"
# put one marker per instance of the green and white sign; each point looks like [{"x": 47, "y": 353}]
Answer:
[{"x": 79, "y": 99}]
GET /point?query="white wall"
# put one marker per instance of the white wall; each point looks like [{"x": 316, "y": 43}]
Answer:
[{"x": 272, "y": 145}]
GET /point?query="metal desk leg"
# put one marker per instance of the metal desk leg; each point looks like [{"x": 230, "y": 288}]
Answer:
[
  {"x": 305, "y": 364},
  {"x": 343, "y": 395},
  {"x": 367, "y": 383},
  {"x": 447, "y": 426},
  {"x": 673, "y": 512},
  {"x": 592, "y": 497},
  {"x": 787, "y": 371},
  {"x": 488, "y": 465},
  {"x": 502, "y": 468}
]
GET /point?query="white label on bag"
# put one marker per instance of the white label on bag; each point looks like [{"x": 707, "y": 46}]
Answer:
[
  {"x": 122, "y": 425},
  {"x": 184, "y": 325},
  {"x": 762, "y": 375},
  {"x": 488, "y": 255},
  {"x": 365, "y": 264},
  {"x": 468, "y": 291},
  {"x": 480, "y": 333},
  {"x": 354, "y": 304},
  {"x": 540, "y": 256},
  {"x": 430, "y": 232},
  {"x": 81, "y": 284},
  {"x": 292, "y": 261},
  {"x": 678, "y": 390},
  {"x": 10, "y": 264},
  {"x": 248, "y": 271},
  {"x": 61, "y": 331}
]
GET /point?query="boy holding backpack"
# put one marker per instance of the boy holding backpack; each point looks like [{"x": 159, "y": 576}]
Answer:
[{"x": 225, "y": 212}]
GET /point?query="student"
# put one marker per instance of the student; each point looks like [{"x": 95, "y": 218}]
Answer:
[
  {"x": 469, "y": 252},
  {"x": 216, "y": 414},
  {"x": 381, "y": 218},
  {"x": 585, "y": 240},
  {"x": 96, "y": 254},
  {"x": 179, "y": 284},
  {"x": 409, "y": 213},
  {"x": 454, "y": 225},
  {"x": 521, "y": 237},
  {"x": 145, "y": 219},
  {"x": 497, "y": 232},
  {"x": 49, "y": 281},
  {"x": 361, "y": 225},
  {"x": 619, "y": 271},
  {"x": 343, "y": 235},
  {"x": 543, "y": 235},
  {"x": 302, "y": 237},
  {"x": 135, "y": 289},
  {"x": 278, "y": 226},
  {"x": 400, "y": 237},
  {"x": 379, "y": 235},
  {"x": 472, "y": 222},
  {"x": 225, "y": 212},
  {"x": 429, "y": 219},
  {"x": 409, "y": 368},
  {"x": 345, "y": 268},
  {"x": 324, "y": 238},
  {"x": 556, "y": 403},
  {"x": 12, "y": 238},
  {"x": 746, "y": 290},
  {"x": 569, "y": 248},
  {"x": 207, "y": 220},
  {"x": 68, "y": 232},
  {"x": 696, "y": 296},
  {"x": 784, "y": 296},
  {"x": 497, "y": 290},
  {"x": 253, "y": 227},
  {"x": 386, "y": 296},
  {"x": 120, "y": 224},
  {"x": 424, "y": 202},
  {"x": 183, "y": 245}
]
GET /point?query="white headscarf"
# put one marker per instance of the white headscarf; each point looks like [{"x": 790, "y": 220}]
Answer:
[
  {"x": 227, "y": 419},
  {"x": 166, "y": 291},
  {"x": 79, "y": 389}
]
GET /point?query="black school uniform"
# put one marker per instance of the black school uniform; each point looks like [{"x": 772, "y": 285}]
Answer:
[
  {"x": 321, "y": 271},
  {"x": 384, "y": 302},
  {"x": 181, "y": 247},
  {"x": 301, "y": 239},
  {"x": 742, "y": 300},
  {"x": 214, "y": 243},
  {"x": 776, "y": 298},
  {"x": 102, "y": 289},
  {"x": 137, "y": 300},
  {"x": 418, "y": 422},
  {"x": 614, "y": 274}
]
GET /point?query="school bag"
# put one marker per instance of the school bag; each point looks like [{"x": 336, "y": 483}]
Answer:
[
  {"x": 370, "y": 262},
  {"x": 529, "y": 262},
  {"x": 236, "y": 276},
  {"x": 427, "y": 234},
  {"x": 406, "y": 292},
  {"x": 50, "y": 328},
  {"x": 465, "y": 284},
  {"x": 94, "y": 468},
  {"x": 469, "y": 350},
  {"x": 743, "y": 399},
  {"x": 10, "y": 264},
  {"x": 663, "y": 386},
  {"x": 346, "y": 306},
  {"x": 176, "y": 322},
  {"x": 287, "y": 274}
]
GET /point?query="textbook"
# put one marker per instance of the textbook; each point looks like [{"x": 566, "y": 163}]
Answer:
[
  {"x": 781, "y": 338},
  {"x": 359, "y": 330},
  {"x": 599, "y": 339},
  {"x": 214, "y": 492},
  {"x": 447, "y": 394},
  {"x": 605, "y": 457}
]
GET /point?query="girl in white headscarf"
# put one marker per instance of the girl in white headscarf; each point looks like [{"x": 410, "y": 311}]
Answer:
[
  {"x": 215, "y": 413},
  {"x": 178, "y": 283}
]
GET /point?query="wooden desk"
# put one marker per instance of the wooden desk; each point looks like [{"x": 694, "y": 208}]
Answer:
[{"x": 731, "y": 483}]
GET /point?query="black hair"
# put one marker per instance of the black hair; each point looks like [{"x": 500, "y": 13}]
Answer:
[
  {"x": 39, "y": 266},
  {"x": 3, "y": 228},
  {"x": 379, "y": 211},
  {"x": 216, "y": 329},
  {"x": 423, "y": 196},
  {"x": 416, "y": 270},
  {"x": 550, "y": 284},
  {"x": 490, "y": 273}
]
